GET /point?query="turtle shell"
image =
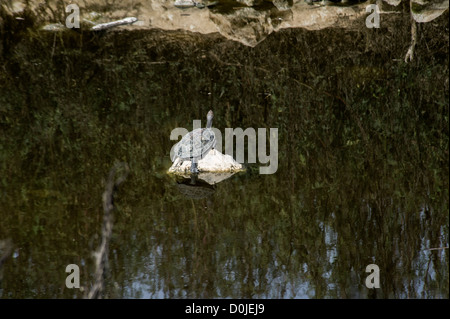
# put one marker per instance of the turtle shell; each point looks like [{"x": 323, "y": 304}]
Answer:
[{"x": 195, "y": 144}]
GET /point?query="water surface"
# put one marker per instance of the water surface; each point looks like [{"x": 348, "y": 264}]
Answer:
[{"x": 362, "y": 176}]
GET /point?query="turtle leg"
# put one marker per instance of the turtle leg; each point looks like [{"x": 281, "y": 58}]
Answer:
[{"x": 194, "y": 169}]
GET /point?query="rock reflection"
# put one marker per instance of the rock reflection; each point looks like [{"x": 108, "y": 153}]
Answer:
[{"x": 195, "y": 187}]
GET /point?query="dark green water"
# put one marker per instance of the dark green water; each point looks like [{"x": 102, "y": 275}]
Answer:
[{"x": 362, "y": 176}]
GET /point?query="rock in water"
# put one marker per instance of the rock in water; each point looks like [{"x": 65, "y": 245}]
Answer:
[{"x": 214, "y": 161}]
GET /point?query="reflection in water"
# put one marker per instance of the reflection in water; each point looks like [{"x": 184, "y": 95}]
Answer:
[
  {"x": 195, "y": 188},
  {"x": 362, "y": 176}
]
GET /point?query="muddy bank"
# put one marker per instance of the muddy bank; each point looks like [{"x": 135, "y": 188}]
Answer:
[{"x": 247, "y": 22}]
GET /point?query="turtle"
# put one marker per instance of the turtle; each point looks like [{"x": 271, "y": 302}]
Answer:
[{"x": 196, "y": 144}]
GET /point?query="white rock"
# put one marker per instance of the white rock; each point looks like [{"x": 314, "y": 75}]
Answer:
[{"x": 214, "y": 161}]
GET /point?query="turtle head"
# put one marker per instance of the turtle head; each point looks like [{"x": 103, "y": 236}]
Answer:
[{"x": 209, "y": 117}]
